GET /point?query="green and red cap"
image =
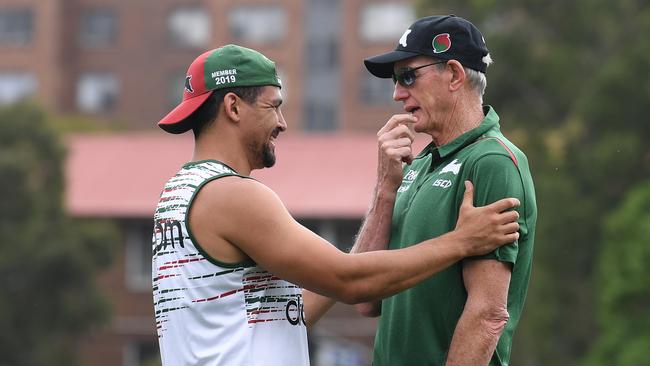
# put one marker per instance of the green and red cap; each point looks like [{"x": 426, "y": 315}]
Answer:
[
  {"x": 445, "y": 37},
  {"x": 225, "y": 67}
]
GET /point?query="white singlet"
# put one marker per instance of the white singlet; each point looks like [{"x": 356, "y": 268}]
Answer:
[{"x": 213, "y": 313}]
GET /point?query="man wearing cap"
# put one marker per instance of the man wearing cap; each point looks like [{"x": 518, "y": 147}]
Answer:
[
  {"x": 229, "y": 260},
  {"x": 467, "y": 313}
]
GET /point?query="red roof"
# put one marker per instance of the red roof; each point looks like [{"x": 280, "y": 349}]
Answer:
[{"x": 121, "y": 175}]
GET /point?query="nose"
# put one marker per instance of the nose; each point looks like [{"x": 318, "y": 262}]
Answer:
[
  {"x": 281, "y": 121},
  {"x": 400, "y": 93}
]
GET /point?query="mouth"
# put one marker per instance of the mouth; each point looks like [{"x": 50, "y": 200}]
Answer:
[
  {"x": 274, "y": 136},
  {"x": 411, "y": 109}
]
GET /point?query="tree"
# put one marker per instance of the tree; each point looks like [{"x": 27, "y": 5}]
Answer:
[
  {"x": 624, "y": 279},
  {"x": 48, "y": 261}
]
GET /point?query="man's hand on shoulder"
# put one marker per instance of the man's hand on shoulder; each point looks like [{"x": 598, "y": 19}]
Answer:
[{"x": 483, "y": 229}]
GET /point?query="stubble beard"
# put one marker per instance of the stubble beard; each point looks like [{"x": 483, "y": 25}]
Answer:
[
  {"x": 263, "y": 153},
  {"x": 268, "y": 156}
]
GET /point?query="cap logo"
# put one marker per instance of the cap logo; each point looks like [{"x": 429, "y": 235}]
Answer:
[
  {"x": 402, "y": 40},
  {"x": 441, "y": 43},
  {"x": 188, "y": 84},
  {"x": 228, "y": 76}
]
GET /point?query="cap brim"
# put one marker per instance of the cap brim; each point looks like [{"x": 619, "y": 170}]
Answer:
[
  {"x": 382, "y": 66},
  {"x": 176, "y": 120}
]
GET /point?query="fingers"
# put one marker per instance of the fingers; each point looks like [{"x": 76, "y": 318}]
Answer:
[
  {"x": 400, "y": 153},
  {"x": 504, "y": 204},
  {"x": 395, "y": 140},
  {"x": 395, "y": 143},
  {"x": 510, "y": 238},
  {"x": 468, "y": 196},
  {"x": 400, "y": 131},
  {"x": 395, "y": 121},
  {"x": 508, "y": 216},
  {"x": 511, "y": 228}
]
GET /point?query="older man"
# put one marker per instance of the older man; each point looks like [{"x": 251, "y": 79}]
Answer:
[{"x": 467, "y": 313}]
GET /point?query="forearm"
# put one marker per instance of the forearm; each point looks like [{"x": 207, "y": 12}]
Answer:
[
  {"x": 374, "y": 235},
  {"x": 375, "y": 231},
  {"x": 475, "y": 338},
  {"x": 379, "y": 274},
  {"x": 315, "y": 306}
]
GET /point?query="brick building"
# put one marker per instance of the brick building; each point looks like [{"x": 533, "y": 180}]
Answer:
[{"x": 124, "y": 60}]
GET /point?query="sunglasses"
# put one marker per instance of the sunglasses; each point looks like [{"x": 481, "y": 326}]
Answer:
[{"x": 406, "y": 76}]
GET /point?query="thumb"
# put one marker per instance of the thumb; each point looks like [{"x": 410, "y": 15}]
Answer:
[{"x": 468, "y": 196}]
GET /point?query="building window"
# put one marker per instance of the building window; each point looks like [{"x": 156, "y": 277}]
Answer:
[
  {"x": 321, "y": 80},
  {"x": 375, "y": 90},
  {"x": 16, "y": 27},
  {"x": 97, "y": 92},
  {"x": 189, "y": 27},
  {"x": 385, "y": 22},
  {"x": 98, "y": 28},
  {"x": 320, "y": 116},
  {"x": 323, "y": 54},
  {"x": 15, "y": 86},
  {"x": 258, "y": 23},
  {"x": 138, "y": 256},
  {"x": 141, "y": 353}
]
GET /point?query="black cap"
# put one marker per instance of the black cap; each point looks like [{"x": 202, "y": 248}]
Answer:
[{"x": 444, "y": 37}]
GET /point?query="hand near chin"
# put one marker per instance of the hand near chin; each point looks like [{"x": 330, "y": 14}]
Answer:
[{"x": 394, "y": 143}]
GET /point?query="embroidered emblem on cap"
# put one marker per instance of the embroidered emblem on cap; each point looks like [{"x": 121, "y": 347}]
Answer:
[
  {"x": 188, "y": 84},
  {"x": 441, "y": 43},
  {"x": 402, "y": 40}
]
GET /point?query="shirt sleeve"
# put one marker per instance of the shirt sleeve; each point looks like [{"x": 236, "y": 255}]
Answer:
[{"x": 496, "y": 176}]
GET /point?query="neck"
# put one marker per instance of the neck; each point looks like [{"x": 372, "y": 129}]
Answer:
[
  {"x": 224, "y": 147},
  {"x": 462, "y": 117}
]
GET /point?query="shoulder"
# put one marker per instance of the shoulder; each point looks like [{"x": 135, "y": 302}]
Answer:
[
  {"x": 493, "y": 147},
  {"x": 232, "y": 204},
  {"x": 235, "y": 192}
]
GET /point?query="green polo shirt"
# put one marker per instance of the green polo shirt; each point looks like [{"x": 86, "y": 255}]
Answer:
[{"x": 417, "y": 325}]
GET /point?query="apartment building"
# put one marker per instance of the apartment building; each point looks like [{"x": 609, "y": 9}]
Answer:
[{"x": 125, "y": 61}]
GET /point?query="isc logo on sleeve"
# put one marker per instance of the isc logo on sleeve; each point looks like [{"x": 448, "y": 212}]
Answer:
[{"x": 442, "y": 183}]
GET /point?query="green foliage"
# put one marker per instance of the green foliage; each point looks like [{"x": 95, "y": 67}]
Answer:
[
  {"x": 152, "y": 361},
  {"x": 47, "y": 260},
  {"x": 570, "y": 84},
  {"x": 624, "y": 279}
]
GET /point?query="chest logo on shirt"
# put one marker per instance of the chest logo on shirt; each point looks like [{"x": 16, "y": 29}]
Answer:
[
  {"x": 453, "y": 167},
  {"x": 168, "y": 234},
  {"x": 411, "y": 175}
]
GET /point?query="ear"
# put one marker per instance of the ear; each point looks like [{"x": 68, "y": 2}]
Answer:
[
  {"x": 232, "y": 106},
  {"x": 458, "y": 75}
]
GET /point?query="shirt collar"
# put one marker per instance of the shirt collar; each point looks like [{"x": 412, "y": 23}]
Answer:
[{"x": 490, "y": 121}]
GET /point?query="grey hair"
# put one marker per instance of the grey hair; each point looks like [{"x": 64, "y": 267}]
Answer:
[{"x": 476, "y": 79}]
